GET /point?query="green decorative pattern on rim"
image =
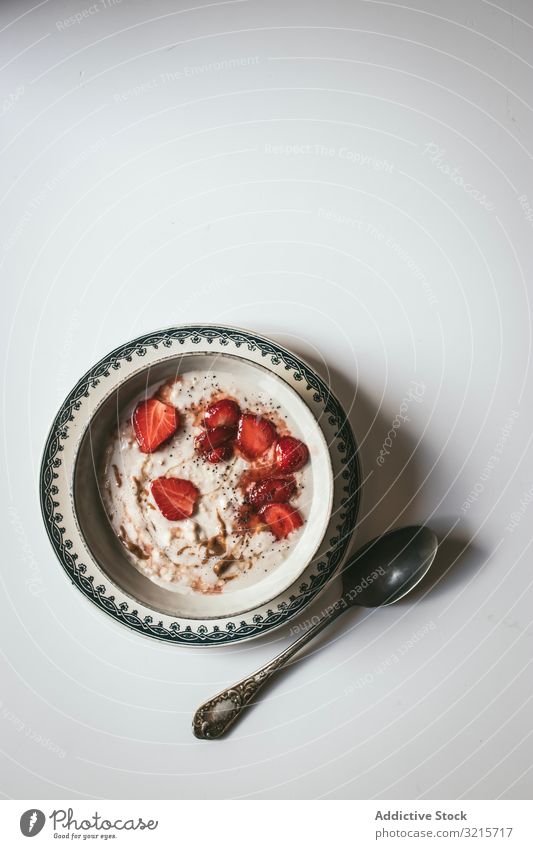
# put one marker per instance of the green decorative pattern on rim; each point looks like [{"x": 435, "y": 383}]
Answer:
[{"x": 233, "y": 631}]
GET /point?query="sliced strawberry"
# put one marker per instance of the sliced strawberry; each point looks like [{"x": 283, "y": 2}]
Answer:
[
  {"x": 223, "y": 413},
  {"x": 175, "y": 497},
  {"x": 154, "y": 422},
  {"x": 254, "y": 435},
  {"x": 208, "y": 440},
  {"x": 218, "y": 455},
  {"x": 291, "y": 454},
  {"x": 274, "y": 490},
  {"x": 282, "y": 519}
]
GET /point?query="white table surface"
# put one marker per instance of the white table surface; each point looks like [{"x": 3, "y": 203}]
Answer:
[{"x": 353, "y": 179}]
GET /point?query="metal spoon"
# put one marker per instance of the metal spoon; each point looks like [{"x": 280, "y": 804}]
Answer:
[{"x": 380, "y": 573}]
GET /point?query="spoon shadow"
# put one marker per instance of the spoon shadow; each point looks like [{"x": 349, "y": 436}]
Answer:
[{"x": 391, "y": 497}]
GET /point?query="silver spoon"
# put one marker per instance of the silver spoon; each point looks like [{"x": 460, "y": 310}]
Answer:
[{"x": 380, "y": 573}]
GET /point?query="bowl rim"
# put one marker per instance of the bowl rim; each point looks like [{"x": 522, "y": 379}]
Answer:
[{"x": 259, "y": 348}]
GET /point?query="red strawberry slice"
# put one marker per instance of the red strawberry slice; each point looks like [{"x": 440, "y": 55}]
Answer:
[
  {"x": 282, "y": 519},
  {"x": 154, "y": 422},
  {"x": 223, "y": 413},
  {"x": 274, "y": 490},
  {"x": 291, "y": 454},
  {"x": 254, "y": 435},
  {"x": 208, "y": 440},
  {"x": 218, "y": 455},
  {"x": 175, "y": 497}
]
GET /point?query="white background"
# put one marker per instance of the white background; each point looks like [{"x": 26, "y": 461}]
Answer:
[{"x": 346, "y": 177}]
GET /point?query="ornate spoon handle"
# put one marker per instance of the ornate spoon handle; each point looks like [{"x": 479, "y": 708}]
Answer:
[{"x": 214, "y": 717}]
